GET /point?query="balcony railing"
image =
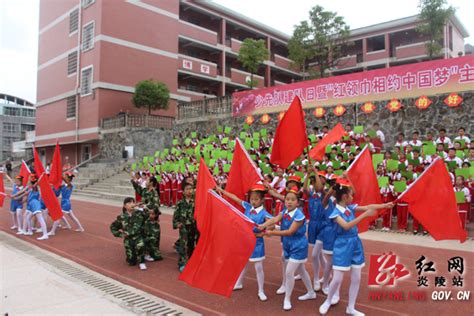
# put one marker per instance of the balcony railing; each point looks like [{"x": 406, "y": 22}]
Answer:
[
  {"x": 137, "y": 120},
  {"x": 205, "y": 108}
]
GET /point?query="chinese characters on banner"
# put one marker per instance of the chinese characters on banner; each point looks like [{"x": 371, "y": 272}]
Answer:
[{"x": 426, "y": 78}]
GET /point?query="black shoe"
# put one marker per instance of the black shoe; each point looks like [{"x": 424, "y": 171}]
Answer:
[
  {"x": 415, "y": 232},
  {"x": 425, "y": 233}
]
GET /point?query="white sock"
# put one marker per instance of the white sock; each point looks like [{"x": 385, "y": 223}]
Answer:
[
  {"x": 240, "y": 280},
  {"x": 354, "y": 287},
  {"x": 44, "y": 229},
  {"x": 283, "y": 267},
  {"x": 327, "y": 270},
  {"x": 260, "y": 275},
  {"x": 305, "y": 278},
  {"x": 290, "y": 279},
  {"x": 75, "y": 220},
  {"x": 317, "y": 257},
  {"x": 19, "y": 218},
  {"x": 334, "y": 286},
  {"x": 55, "y": 226}
]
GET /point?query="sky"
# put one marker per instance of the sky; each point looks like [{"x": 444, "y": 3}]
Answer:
[{"x": 19, "y": 28}]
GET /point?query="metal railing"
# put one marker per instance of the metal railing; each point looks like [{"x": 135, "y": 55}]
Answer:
[
  {"x": 205, "y": 108},
  {"x": 137, "y": 120}
]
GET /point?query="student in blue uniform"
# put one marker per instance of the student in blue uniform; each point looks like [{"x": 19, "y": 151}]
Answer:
[
  {"x": 33, "y": 208},
  {"x": 257, "y": 213},
  {"x": 16, "y": 205},
  {"x": 348, "y": 253},
  {"x": 66, "y": 192},
  {"x": 315, "y": 190},
  {"x": 295, "y": 245}
]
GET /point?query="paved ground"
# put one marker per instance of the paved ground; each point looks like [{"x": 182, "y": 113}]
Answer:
[{"x": 98, "y": 250}]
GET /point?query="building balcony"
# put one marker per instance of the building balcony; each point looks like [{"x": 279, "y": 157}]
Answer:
[
  {"x": 347, "y": 62},
  {"x": 376, "y": 55},
  {"x": 282, "y": 62},
  {"x": 197, "y": 66},
  {"x": 30, "y": 137},
  {"x": 410, "y": 50},
  {"x": 235, "y": 45},
  {"x": 197, "y": 33},
  {"x": 242, "y": 77}
]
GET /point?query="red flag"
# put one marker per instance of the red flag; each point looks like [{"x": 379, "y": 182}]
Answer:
[
  {"x": 24, "y": 172},
  {"x": 2, "y": 190},
  {"x": 243, "y": 174},
  {"x": 55, "y": 176},
  {"x": 431, "y": 200},
  {"x": 290, "y": 136},
  {"x": 218, "y": 259},
  {"x": 205, "y": 182},
  {"x": 317, "y": 153},
  {"x": 364, "y": 179},
  {"x": 47, "y": 194}
]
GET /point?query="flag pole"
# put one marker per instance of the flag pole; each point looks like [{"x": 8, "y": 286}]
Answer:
[{"x": 411, "y": 185}]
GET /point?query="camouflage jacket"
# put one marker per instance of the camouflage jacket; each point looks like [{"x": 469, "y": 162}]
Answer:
[
  {"x": 150, "y": 198},
  {"x": 130, "y": 225},
  {"x": 152, "y": 229},
  {"x": 184, "y": 213}
]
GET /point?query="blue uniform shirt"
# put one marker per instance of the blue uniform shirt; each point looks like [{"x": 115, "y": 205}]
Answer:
[
  {"x": 295, "y": 247},
  {"x": 258, "y": 215}
]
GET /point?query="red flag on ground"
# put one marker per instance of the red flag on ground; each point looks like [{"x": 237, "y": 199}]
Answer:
[
  {"x": 218, "y": 259},
  {"x": 290, "y": 136},
  {"x": 432, "y": 202},
  {"x": 47, "y": 194},
  {"x": 2, "y": 190},
  {"x": 24, "y": 172},
  {"x": 364, "y": 179},
  {"x": 317, "y": 153},
  {"x": 55, "y": 175},
  {"x": 205, "y": 181},
  {"x": 243, "y": 174}
]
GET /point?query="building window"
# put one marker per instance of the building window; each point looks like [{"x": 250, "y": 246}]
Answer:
[
  {"x": 28, "y": 112},
  {"x": 9, "y": 127},
  {"x": 27, "y": 128},
  {"x": 376, "y": 43},
  {"x": 71, "y": 107},
  {"x": 9, "y": 111},
  {"x": 86, "y": 3},
  {"x": 73, "y": 21},
  {"x": 71, "y": 63},
  {"x": 7, "y": 141},
  {"x": 88, "y": 36},
  {"x": 86, "y": 81}
]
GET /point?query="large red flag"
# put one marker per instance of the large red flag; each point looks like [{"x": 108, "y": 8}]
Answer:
[
  {"x": 290, "y": 136},
  {"x": 55, "y": 175},
  {"x": 364, "y": 179},
  {"x": 2, "y": 190},
  {"x": 317, "y": 153},
  {"x": 243, "y": 174},
  {"x": 24, "y": 172},
  {"x": 432, "y": 202},
  {"x": 205, "y": 181},
  {"x": 47, "y": 194},
  {"x": 225, "y": 246}
]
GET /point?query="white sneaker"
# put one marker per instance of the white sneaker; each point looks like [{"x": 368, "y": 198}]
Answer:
[
  {"x": 317, "y": 286},
  {"x": 326, "y": 290},
  {"x": 142, "y": 266},
  {"x": 20, "y": 232},
  {"x": 44, "y": 237},
  {"x": 287, "y": 305},
  {"x": 149, "y": 258},
  {"x": 80, "y": 230},
  {"x": 38, "y": 230},
  {"x": 281, "y": 290},
  {"x": 297, "y": 277},
  {"x": 262, "y": 296},
  {"x": 354, "y": 312},
  {"x": 14, "y": 227},
  {"x": 238, "y": 287},
  {"x": 51, "y": 233},
  {"x": 335, "y": 300},
  {"x": 323, "y": 309},
  {"x": 28, "y": 233},
  {"x": 307, "y": 296}
]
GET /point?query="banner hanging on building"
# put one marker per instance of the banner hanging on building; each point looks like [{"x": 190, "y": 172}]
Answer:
[{"x": 425, "y": 78}]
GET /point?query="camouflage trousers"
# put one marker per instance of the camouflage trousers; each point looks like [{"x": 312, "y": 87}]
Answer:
[
  {"x": 152, "y": 247},
  {"x": 134, "y": 250},
  {"x": 188, "y": 236}
]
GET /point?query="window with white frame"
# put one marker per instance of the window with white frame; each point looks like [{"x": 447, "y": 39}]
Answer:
[
  {"x": 88, "y": 36},
  {"x": 86, "y": 81},
  {"x": 86, "y": 3},
  {"x": 72, "y": 63},
  {"x": 71, "y": 107},
  {"x": 9, "y": 111},
  {"x": 9, "y": 127},
  {"x": 73, "y": 21},
  {"x": 28, "y": 112}
]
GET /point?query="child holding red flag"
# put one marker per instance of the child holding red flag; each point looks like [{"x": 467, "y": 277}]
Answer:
[
  {"x": 295, "y": 246},
  {"x": 257, "y": 213},
  {"x": 16, "y": 205},
  {"x": 348, "y": 250}
]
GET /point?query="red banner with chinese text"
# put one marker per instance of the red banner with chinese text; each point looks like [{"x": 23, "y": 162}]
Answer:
[{"x": 425, "y": 78}]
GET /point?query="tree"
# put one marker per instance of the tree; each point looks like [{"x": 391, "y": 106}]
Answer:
[
  {"x": 434, "y": 15},
  {"x": 251, "y": 54},
  {"x": 322, "y": 41},
  {"x": 151, "y": 94}
]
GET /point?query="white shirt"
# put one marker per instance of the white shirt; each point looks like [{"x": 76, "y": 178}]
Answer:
[
  {"x": 445, "y": 140},
  {"x": 456, "y": 159},
  {"x": 464, "y": 138},
  {"x": 380, "y": 135},
  {"x": 467, "y": 193},
  {"x": 416, "y": 143},
  {"x": 401, "y": 144}
]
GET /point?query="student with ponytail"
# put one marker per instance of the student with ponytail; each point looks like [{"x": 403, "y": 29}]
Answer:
[{"x": 348, "y": 252}]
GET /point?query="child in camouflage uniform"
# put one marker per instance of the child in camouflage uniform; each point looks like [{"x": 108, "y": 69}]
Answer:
[
  {"x": 183, "y": 219},
  {"x": 130, "y": 225},
  {"x": 152, "y": 237}
]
